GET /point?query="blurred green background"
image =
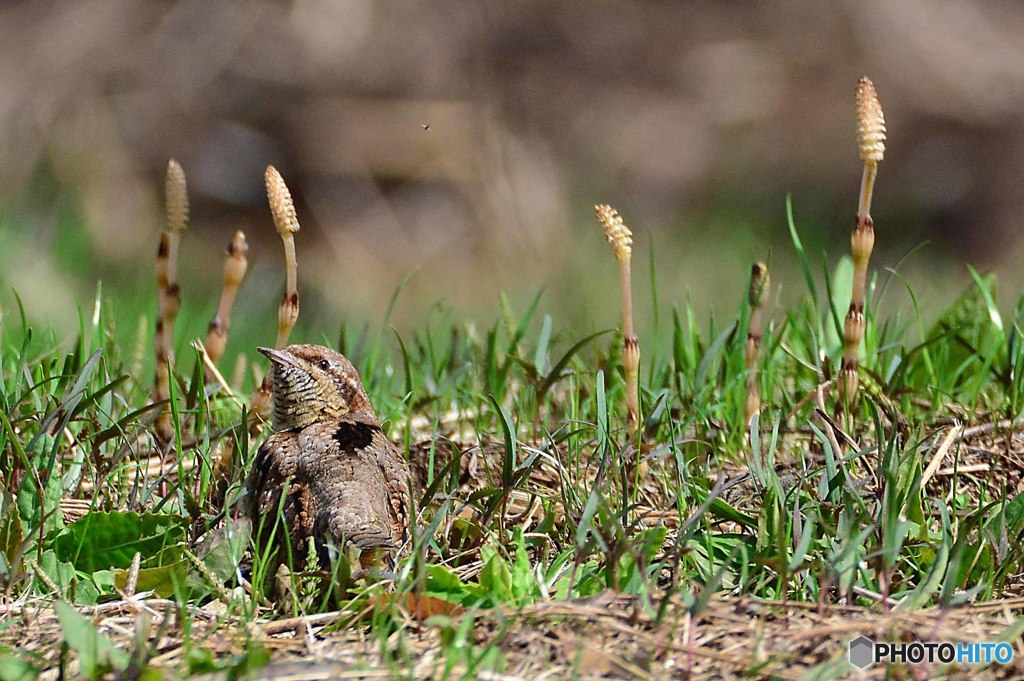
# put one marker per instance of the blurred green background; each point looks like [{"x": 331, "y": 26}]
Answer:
[{"x": 465, "y": 144}]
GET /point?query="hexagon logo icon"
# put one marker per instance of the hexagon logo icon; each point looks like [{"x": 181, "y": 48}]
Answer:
[{"x": 862, "y": 652}]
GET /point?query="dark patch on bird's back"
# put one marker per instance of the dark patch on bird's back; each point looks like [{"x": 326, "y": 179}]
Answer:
[{"x": 351, "y": 436}]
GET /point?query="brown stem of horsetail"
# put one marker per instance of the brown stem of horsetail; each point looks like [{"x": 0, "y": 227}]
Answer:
[
  {"x": 168, "y": 291},
  {"x": 288, "y": 312},
  {"x": 630, "y": 350},
  {"x": 163, "y": 339},
  {"x": 756, "y": 296},
  {"x": 871, "y": 136},
  {"x": 282, "y": 209},
  {"x": 867, "y": 190},
  {"x": 862, "y": 242},
  {"x": 235, "y": 265},
  {"x": 620, "y": 238}
]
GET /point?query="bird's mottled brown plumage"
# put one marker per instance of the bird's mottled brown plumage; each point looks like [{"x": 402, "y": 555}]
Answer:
[{"x": 328, "y": 465}]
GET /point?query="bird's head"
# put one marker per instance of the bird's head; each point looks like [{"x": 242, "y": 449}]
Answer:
[{"x": 312, "y": 383}]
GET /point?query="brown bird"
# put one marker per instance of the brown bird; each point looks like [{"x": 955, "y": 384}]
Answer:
[{"x": 328, "y": 466}]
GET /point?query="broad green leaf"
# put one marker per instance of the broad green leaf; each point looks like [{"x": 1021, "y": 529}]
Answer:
[
  {"x": 85, "y": 592},
  {"x": 442, "y": 580},
  {"x": 222, "y": 550},
  {"x": 15, "y": 669},
  {"x": 724, "y": 510},
  {"x": 841, "y": 290},
  {"x": 161, "y": 579},
  {"x": 443, "y": 583},
  {"x": 46, "y": 511},
  {"x": 59, "y": 572},
  {"x": 104, "y": 581},
  {"x": 11, "y": 533},
  {"x": 496, "y": 578},
  {"x": 651, "y": 541},
  {"x": 104, "y": 540},
  {"x": 96, "y": 654},
  {"x": 523, "y": 582},
  {"x": 1015, "y": 512}
]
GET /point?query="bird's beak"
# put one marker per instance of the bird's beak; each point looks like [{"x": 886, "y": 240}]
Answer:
[{"x": 281, "y": 357}]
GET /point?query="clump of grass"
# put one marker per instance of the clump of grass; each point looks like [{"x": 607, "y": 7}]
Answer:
[
  {"x": 620, "y": 238},
  {"x": 757, "y": 294},
  {"x": 871, "y": 141},
  {"x": 235, "y": 264},
  {"x": 168, "y": 291},
  {"x": 513, "y": 520},
  {"x": 282, "y": 208},
  {"x": 520, "y": 515}
]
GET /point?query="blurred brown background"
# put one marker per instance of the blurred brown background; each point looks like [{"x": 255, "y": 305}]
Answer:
[{"x": 694, "y": 119}]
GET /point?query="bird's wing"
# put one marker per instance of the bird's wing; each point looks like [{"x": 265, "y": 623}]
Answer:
[
  {"x": 353, "y": 497},
  {"x": 397, "y": 479},
  {"x": 274, "y": 473}
]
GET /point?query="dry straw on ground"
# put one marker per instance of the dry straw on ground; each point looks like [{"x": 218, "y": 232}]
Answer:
[{"x": 607, "y": 636}]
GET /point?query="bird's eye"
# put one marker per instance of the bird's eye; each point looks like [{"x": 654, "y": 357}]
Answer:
[{"x": 324, "y": 364}]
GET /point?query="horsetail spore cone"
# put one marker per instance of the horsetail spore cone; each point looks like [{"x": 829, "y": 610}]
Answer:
[
  {"x": 870, "y": 123},
  {"x": 168, "y": 291},
  {"x": 871, "y": 142},
  {"x": 176, "y": 193},
  {"x": 287, "y": 224},
  {"x": 620, "y": 238}
]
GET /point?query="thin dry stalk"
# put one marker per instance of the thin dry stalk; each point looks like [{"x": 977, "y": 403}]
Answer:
[
  {"x": 756, "y": 295},
  {"x": 168, "y": 291},
  {"x": 871, "y": 140},
  {"x": 283, "y": 210},
  {"x": 235, "y": 265},
  {"x": 620, "y": 238}
]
